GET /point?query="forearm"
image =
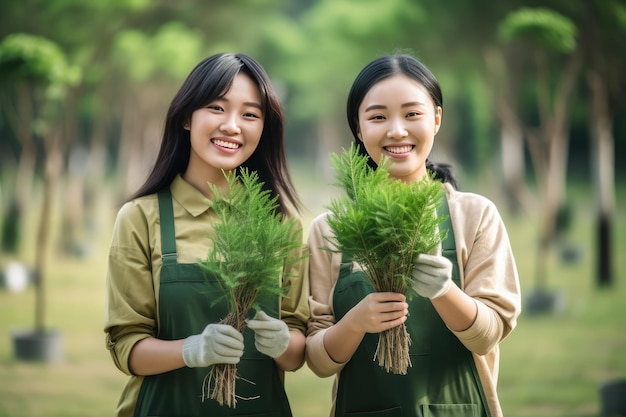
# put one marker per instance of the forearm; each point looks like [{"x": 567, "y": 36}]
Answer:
[
  {"x": 342, "y": 339},
  {"x": 293, "y": 358},
  {"x": 152, "y": 356},
  {"x": 457, "y": 309}
]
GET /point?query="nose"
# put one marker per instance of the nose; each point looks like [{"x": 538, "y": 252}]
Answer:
[
  {"x": 230, "y": 126},
  {"x": 396, "y": 129}
]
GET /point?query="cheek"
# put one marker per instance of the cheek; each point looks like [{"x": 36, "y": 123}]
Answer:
[{"x": 257, "y": 133}]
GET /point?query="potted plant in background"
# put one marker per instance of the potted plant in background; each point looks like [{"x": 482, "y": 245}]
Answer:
[{"x": 35, "y": 79}]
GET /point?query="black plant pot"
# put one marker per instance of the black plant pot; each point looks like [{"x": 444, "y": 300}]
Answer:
[
  {"x": 613, "y": 398},
  {"x": 38, "y": 345},
  {"x": 544, "y": 301}
]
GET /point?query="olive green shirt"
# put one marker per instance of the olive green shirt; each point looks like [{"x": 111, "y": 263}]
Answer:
[{"x": 134, "y": 269}]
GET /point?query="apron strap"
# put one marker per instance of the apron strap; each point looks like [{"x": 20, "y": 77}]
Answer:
[
  {"x": 449, "y": 243},
  {"x": 168, "y": 234},
  {"x": 448, "y": 247}
]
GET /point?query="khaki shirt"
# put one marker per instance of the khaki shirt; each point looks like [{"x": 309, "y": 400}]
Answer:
[
  {"x": 134, "y": 270},
  {"x": 488, "y": 274}
]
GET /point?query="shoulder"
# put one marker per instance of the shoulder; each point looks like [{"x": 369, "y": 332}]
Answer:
[
  {"x": 139, "y": 208},
  {"x": 295, "y": 221},
  {"x": 469, "y": 202},
  {"x": 319, "y": 224},
  {"x": 134, "y": 219},
  {"x": 320, "y": 231}
]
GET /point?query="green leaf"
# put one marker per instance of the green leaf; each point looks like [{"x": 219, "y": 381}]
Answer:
[
  {"x": 543, "y": 26},
  {"x": 383, "y": 223},
  {"x": 252, "y": 242}
]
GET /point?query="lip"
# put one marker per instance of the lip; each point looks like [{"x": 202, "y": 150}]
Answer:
[
  {"x": 399, "y": 147},
  {"x": 226, "y": 144}
]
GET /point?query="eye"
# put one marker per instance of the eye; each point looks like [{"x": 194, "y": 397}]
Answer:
[
  {"x": 251, "y": 115},
  {"x": 377, "y": 117},
  {"x": 215, "y": 107},
  {"x": 413, "y": 114}
]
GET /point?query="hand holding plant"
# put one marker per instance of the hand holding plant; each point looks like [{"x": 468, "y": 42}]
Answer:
[
  {"x": 253, "y": 243},
  {"x": 218, "y": 343},
  {"x": 432, "y": 275},
  {"x": 271, "y": 335},
  {"x": 384, "y": 224}
]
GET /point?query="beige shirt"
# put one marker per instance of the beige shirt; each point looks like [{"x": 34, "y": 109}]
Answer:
[
  {"x": 488, "y": 274},
  {"x": 134, "y": 270}
]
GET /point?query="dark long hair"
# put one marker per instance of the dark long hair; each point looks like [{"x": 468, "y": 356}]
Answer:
[
  {"x": 380, "y": 69},
  {"x": 209, "y": 80}
]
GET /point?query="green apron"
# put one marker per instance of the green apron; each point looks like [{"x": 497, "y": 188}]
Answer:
[
  {"x": 185, "y": 308},
  {"x": 443, "y": 379}
]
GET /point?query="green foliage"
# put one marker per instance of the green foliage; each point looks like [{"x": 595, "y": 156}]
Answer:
[
  {"x": 544, "y": 26},
  {"x": 172, "y": 51},
  {"x": 383, "y": 223},
  {"x": 252, "y": 242},
  {"x": 34, "y": 59}
]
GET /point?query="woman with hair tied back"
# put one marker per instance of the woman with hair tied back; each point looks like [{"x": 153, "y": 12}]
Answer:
[
  {"x": 467, "y": 291},
  {"x": 162, "y": 327}
]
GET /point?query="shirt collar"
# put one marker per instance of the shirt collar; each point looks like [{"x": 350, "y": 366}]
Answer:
[{"x": 189, "y": 197}]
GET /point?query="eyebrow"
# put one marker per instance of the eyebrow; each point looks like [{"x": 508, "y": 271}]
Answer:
[
  {"x": 246, "y": 103},
  {"x": 403, "y": 105}
]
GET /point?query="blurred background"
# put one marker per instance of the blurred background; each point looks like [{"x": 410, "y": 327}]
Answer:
[{"x": 534, "y": 119}]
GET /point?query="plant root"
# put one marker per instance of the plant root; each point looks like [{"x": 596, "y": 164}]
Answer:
[{"x": 393, "y": 350}]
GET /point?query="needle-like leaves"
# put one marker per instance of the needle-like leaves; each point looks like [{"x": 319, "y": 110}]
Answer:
[
  {"x": 383, "y": 223},
  {"x": 253, "y": 243}
]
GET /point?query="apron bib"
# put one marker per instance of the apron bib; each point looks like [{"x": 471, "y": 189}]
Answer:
[
  {"x": 185, "y": 307},
  {"x": 443, "y": 380}
]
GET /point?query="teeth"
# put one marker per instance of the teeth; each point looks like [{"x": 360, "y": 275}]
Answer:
[
  {"x": 225, "y": 144},
  {"x": 399, "y": 149}
]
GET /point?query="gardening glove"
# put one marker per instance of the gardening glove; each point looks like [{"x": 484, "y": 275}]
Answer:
[
  {"x": 218, "y": 343},
  {"x": 432, "y": 275},
  {"x": 271, "y": 336}
]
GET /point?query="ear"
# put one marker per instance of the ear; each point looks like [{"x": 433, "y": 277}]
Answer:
[
  {"x": 438, "y": 116},
  {"x": 187, "y": 125},
  {"x": 358, "y": 133}
]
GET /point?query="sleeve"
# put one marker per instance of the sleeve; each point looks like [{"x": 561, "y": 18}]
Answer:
[
  {"x": 323, "y": 273},
  {"x": 294, "y": 308},
  {"x": 490, "y": 276},
  {"x": 130, "y": 305}
]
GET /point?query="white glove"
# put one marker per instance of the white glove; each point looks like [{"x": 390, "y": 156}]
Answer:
[
  {"x": 218, "y": 343},
  {"x": 271, "y": 336},
  {"x": 432, "y": 275}
]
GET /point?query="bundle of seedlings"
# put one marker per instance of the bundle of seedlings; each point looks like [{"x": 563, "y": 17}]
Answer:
[
  {"x": 252, "y": 245},
  {"x": 383, "y": 224}
]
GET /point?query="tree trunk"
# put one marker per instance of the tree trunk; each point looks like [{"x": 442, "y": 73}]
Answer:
[
  {"x": 519, "y": 198},
  {"x": 331, "y": 140},
  {"x": 603, "y": 153},
  {"x": 52, "y": 169},
  {"x": 555, "y": 132}
]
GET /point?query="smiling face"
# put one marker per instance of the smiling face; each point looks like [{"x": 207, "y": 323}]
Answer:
[
  {"x": 224, "y": 133},
  {"x": 398, "y": 119}
]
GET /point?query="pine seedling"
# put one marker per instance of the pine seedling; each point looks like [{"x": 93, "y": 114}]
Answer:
[
  {"x": 383, "y": 224},
  {"x": 252, "y": 245}
]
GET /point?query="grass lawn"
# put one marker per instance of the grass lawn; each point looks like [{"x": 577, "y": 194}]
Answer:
[{"x": 551, "y": 365}]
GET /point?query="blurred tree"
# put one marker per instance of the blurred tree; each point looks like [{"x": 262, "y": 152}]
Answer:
[
  {"x": 37, "y": 70},
  {"x": 327, "y": 46},
  {"x": 134, "y": 54},
  {"x": 543, "y": 32},
  {"x": 153, "y": 67},
  {"x": 604, "y": 26},
  {"x": 93, "y": 34}
]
